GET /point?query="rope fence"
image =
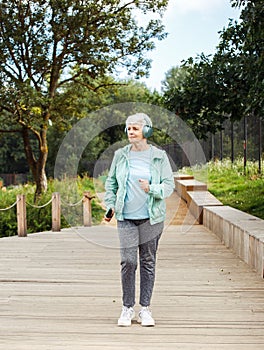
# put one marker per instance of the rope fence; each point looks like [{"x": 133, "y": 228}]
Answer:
[
  {"x": 39, "y": 206},
  {"x": 11, "y": 206},
  {"x": 72, "y": 204},
  {"x": 55, "y": 201}
]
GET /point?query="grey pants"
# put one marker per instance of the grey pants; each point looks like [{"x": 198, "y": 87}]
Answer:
[{"x": 138, "y": 236}]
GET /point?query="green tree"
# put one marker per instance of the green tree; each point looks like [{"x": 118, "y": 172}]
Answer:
[
  {"x": 242, "y": 48},
  {"x": 205, "y": 90},
  {"x": 80, "y": 103},
  {"x": 46, "y": 44},
  {"x": 12, "y": 155},
  {"x": 193, "y": 92}
]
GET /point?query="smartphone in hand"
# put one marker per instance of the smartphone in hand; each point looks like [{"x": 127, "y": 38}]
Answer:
[{"x": 109, "y": 214}]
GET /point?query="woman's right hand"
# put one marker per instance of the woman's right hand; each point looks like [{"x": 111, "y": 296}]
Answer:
[{"x": 109, "y": 214}]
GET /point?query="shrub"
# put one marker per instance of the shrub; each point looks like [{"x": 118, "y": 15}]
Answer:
[{"x": 40, "y": 219}]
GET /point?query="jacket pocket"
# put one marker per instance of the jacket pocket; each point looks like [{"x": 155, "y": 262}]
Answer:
[{"x": 158, "y": 208}]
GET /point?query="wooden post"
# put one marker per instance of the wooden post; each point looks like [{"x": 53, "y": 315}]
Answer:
[
  {"x": 56, "y": 212},
  {"x": 87, "y": 209},
  {"x": 21, "y": 216}
]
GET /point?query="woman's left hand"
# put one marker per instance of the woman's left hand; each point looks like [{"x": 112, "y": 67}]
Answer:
[{"x": 144, "y": 185}]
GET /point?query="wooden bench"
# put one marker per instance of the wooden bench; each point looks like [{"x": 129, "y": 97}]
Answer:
[
  {"x": 178, "y": 176},
  {"x": 197, "y": 200},
  {"x": 239, "y": 231},
  {"x": 184, "y": 186}
]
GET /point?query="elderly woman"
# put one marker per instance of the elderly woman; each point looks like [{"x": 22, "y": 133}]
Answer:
[{"x": 139, "y": 180}]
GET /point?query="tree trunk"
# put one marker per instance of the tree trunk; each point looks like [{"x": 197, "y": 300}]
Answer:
[
  {"x": 37, "y": 166},
  {"x": 41, "y": 179}
]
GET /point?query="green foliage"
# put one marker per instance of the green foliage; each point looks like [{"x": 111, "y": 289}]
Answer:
[
  {"x": 77, "y": 104},
  {"x": 12, "y": 154},
  {"x": 193, "y": 92},
  {"x": 39, "y": 219},
  {"x": 244, "y": 41},
  {"x": 207, "y": 90},
  {"x": 44, "y": 45},
  {"x": 228, "y": 183},
  {"x": 83, "y": 103}
]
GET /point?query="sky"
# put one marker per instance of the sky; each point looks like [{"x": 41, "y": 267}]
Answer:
[{"x": 193, "y": 28}]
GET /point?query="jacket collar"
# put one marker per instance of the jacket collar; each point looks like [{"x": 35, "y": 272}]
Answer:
[{"x": 155, "y": 152}]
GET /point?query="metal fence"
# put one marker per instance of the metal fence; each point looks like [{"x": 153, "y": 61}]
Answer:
[
  {"x": 240, "y": 139},
  {"x": 14, "y": 179},
  {"x": 235, "y": 139}
]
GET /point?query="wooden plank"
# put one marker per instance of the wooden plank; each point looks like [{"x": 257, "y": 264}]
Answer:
[
  {"x": 239, "y": 231},
  {"x": 178, "y": 176},
  {"x": 197, "y": 200},
  {"x": 202, "y": 198},
  {"x": 178, "y": 212},
  {"x": 183, "y": 186},
  {"x": 62, "y": 291}
]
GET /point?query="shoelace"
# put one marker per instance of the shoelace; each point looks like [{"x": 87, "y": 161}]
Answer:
[
  {"x": 127, "y": 312},
  {"x": 146, "y": 312}
]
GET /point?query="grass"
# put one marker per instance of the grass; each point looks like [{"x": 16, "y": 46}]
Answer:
[{"x": 228, "y": 183}]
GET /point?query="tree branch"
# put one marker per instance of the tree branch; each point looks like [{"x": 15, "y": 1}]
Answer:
[
  {"x": 124, "y": 6},
  {"x": 10, "y": 131},
  {"x": 10, "y": 49},
  {"x": 107, "y": 85},
  {"x": 72, "y": 78},
  {"x": 28, "y": 127}
]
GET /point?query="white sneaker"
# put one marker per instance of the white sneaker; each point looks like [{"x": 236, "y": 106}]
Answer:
[
  {"x": 145, "y": 318},
  {"x": 126, "y": 316}
]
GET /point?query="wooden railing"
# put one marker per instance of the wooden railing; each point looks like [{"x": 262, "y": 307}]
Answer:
[{"x": 55, "y": 201}]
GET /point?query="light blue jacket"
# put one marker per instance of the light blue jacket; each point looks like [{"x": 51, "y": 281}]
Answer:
[{"x": 162, "y": 183}]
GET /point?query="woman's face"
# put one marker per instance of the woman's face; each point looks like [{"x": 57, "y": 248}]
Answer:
[{"x": 134, "y": 133}]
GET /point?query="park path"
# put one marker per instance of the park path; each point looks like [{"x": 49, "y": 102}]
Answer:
[{"x": 61, "y": 291}]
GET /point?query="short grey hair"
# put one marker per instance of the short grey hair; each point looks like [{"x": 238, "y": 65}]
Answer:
[{"x": 139, "y": 118}]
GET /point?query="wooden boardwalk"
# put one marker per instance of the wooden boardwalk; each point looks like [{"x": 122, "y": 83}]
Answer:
[{"x": 62, "y": 291}]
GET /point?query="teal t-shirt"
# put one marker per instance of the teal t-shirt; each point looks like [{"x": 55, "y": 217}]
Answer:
[{"x": 136, "y": 200}]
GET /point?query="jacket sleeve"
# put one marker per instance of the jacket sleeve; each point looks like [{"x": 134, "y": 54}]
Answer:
[
  {"x": 111, "y": 185},
  {"x": 166, "y": 186}
]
